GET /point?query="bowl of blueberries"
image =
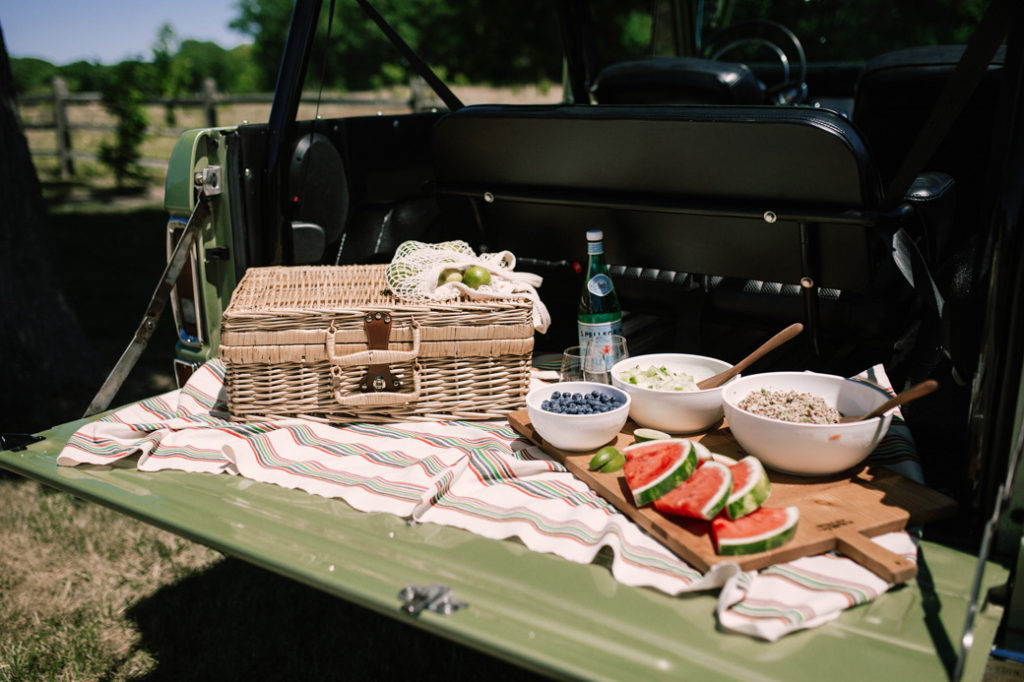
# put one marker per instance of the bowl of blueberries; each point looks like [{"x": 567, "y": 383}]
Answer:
[{"x": 578, "y": 415}]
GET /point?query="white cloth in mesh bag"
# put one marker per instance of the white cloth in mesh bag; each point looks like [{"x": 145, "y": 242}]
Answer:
[{"x": 414, "y": 270}]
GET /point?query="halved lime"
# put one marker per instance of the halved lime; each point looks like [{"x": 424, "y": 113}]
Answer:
[
  {"x": 641, "y": 435},
  {"x": 603, "y": 456},
  {"x": 614, "y": 464}
]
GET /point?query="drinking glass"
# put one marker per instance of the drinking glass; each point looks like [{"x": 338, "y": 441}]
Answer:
[
  {"x": 572, "y": 364},
  {"x": 601, "y": 354}
]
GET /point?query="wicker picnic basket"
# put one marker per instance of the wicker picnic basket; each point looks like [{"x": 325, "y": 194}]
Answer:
[{"x": 333, "y": 343}]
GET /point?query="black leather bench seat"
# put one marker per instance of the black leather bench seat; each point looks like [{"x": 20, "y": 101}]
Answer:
[
  {"x": 756, "y": 192},
  {"x": 761, "y": 207}
]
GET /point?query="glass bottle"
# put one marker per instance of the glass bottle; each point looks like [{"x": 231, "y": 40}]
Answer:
[{"x": 599, "y": 313}]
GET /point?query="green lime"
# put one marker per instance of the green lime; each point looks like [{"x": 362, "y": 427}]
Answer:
[
  {"x": 604, "y": 456},
  {"x": 475, "y": 277},
  {"x": 641, "y": 435},
  {"x": 449, "y": 275},
  {"x": 614, "y": 464}
]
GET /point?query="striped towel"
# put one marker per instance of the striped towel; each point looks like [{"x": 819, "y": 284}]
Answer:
[{"x": 476, "y": 475}]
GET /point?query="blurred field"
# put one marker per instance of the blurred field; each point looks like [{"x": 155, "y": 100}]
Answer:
[
  {"x": 90, "y": 594},
  {"x": 167, "y": 122}
]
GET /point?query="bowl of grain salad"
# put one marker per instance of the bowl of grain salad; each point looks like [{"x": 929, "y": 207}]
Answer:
[{"x": 790, "y": 420}]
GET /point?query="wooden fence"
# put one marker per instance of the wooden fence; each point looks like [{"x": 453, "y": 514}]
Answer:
[{"x": 209, "y": 101}]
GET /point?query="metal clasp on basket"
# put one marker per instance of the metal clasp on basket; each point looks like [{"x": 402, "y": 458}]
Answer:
[{"x": 378, "y": 377}]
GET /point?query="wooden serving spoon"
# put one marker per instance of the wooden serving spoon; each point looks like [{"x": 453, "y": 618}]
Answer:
[
  {"x": 769, "y": 345},
  {"x": 912, "y": 393}
]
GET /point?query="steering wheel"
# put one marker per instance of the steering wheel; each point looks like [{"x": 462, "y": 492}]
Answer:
[{"x": 793, "y": 87}]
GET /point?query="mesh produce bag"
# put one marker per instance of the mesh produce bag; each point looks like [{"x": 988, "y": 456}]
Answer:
[{"x": 414, "y": 271}]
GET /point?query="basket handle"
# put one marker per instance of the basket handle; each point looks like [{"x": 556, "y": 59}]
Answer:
[
  {"x": 373, "y": 356},
  {"x": 378, "y": 399}
]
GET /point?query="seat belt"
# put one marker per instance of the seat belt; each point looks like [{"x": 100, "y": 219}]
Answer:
[{"x": 973, "y": 64}]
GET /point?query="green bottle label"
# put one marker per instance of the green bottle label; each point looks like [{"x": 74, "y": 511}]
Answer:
[{"x": 600, "y": 285}]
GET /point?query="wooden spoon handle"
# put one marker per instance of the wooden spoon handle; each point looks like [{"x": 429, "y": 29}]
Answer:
[
  {"x": 769, "y": 345},
  {"x": 912, "y": 393}
]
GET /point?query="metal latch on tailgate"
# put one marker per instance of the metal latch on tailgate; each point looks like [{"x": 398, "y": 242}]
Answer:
[{"x": 437, "y": 598}]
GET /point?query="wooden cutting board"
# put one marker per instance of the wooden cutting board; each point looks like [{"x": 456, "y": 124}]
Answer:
[{"x": 836, "y": 513}]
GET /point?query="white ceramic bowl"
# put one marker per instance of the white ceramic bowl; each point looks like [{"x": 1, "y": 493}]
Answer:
[
  {"x": 674, "y": 411},
  {"x": 576, "y": 432},
  {"x": 807, "y": 449}
]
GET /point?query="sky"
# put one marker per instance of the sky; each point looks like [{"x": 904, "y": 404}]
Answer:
[{"x": 109, "y": 31}]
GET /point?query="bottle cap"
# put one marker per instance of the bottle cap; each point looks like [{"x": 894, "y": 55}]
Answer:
[{"x": 595, "y": 235}]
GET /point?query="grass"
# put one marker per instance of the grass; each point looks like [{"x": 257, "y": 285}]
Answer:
[
  {"x": 89, "y": 594},
  {"x": 71, "y": 572}
]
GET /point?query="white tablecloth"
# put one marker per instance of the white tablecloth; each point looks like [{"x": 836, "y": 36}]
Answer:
[{"x": 479, "y": 476}]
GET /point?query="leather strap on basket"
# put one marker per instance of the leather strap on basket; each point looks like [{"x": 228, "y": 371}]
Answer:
[
  {"x": 379, "y": 385},
  {"x": 378, "y": 377}
]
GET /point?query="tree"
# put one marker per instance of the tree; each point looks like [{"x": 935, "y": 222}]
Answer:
[
  {"x": 49, "y": 367},
  {"x": 124, "y": 99},
  {"x": 471, "y": 41},
  {"x": 182, "y": 65},
  {"x": 33, "y": 75},
  {"x": 266, "y": 22},
  {"x": 83, "y": 76}
]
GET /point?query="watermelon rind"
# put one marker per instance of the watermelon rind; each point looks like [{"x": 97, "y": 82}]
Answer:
[
  {"x": 712, "y": 505},
  {"x": 723, "y": 459},
  {"x": 703, "y": 453},
  {"x": 753, "y": 494},
  {"x": 763, "y": 541},
  {"x": 717, "y": 502},
  {"x": 684, "y": 465}
]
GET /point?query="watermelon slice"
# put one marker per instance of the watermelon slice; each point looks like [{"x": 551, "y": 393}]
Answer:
[
  {"x": 655, "y": 467},
  {"x": 750, "y": 487},
  {"x": 758, "y": 531},
  {"x": 703, "y": 454},
  {"x": 701, "y": 496}
]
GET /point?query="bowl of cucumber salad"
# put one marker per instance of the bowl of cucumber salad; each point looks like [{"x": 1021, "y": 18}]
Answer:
[{"x": 664, "y": 393}]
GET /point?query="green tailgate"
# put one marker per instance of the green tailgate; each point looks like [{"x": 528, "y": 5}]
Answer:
[{"x": 535, "y": 610}]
